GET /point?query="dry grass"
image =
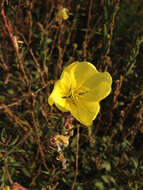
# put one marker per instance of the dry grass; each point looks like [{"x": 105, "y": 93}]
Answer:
[{"x": 35, "y": 46}]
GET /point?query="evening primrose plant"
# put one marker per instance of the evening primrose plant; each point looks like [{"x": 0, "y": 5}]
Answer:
[{"x": 79, "y": 90}]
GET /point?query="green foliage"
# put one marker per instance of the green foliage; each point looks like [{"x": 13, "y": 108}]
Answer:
[{"x": 33, "y": 53}]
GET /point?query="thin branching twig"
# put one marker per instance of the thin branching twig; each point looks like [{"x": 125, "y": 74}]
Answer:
[
  {"x": 77, "y": 157},
  {"x": 7, "y": 26}
]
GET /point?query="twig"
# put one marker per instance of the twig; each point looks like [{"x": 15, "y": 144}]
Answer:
[
  {"x": 86, "y": 33},
  {"x": 39, "y": 141},
  {"x": 18, "y": 186},
  {"x": 112, "y": 25},
  {"x": 33, "y": 183},
  {"x": 18, "y": 102},
  {"x": 7, "y": 172},
  {"x": 60, "y": 50},
  {"x": 77, "y": 156},
  {"x": 37, "y": 65},
  {"x": 12, "y": 104},
  {"x": 34, "y": 57},
  {"x": 14, "y": 45},
  {"x": 115, "y": 102},
  {"x": 2, "y": 4},
  {"x": 13, "y": 116}
]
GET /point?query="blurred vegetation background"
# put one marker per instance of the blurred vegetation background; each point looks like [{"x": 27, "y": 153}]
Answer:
[{"x": 39, "y": 38}]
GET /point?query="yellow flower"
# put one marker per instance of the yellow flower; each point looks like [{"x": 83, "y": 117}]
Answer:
[
  {"x": 79, "y": 90},
  {"x": 63, "y": 14}
]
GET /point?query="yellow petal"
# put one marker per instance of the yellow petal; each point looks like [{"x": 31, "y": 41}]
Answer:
[
  {"x": 98, "y": 86},
  {"x": 56, "y": 96},
  {"x": 61, "y": 89},
  {"x": 80, "y": 72},
  {"x": 6, "y": 188},
  {"x": 85, "y": 112},
  {"x": 61, "y": 105}
]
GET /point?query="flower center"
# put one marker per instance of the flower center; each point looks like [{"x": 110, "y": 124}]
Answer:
[{"x": 74, "y": 95}]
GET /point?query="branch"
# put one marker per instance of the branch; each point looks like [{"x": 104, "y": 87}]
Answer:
[
  {"x": 77, "y": 156},
  {"x": 14, "y": 45}
]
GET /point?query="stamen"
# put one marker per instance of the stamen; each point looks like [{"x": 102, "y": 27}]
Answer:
[
  {"x": 82, "y": 93},
  {"x": 67, "y": 96}
]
